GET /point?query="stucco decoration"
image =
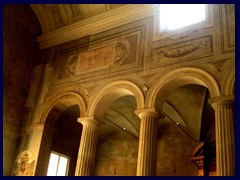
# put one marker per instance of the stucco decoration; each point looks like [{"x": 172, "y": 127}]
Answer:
[
  {"x": 24, "y": 164},
  {"x": 121, "y": 51},
  {"x": 96, "y": 59},
  {"x": 175, "y": 53},
  {"x": 185, "y": 51},
  {"x": 72, "y": 63}
]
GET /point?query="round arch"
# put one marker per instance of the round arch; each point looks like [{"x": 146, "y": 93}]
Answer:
[
  {"x": 60, "y": 102},
  {"x": 49, "y": 112},
  {"x": 188, "y": 75},
  {"x": 229, "y": 84},
  {"x": 105, "y": 94}
]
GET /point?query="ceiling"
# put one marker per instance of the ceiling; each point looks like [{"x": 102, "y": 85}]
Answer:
[{"x": 55, "y": 16}]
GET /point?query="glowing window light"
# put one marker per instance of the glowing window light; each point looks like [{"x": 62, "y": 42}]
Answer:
[
  {"x": 174, "y": 16},
  {"x": 62, "y": 168},
  {"x": 58, "y": 165}
]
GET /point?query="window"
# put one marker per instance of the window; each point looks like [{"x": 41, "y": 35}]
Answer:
[
  {"x": 176, "y": 21},
  {"x": 174, "y": 16},
  {"x": 58, "y": 165}
]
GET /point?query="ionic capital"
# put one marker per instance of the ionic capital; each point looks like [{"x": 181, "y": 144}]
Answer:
[
  {"x": 217, "y": 102},
  {"x": 88, "y": 120},
  {"x": 148, "y": 112}
]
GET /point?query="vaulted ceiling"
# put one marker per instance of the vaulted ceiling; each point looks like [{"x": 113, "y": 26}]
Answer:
[{"x": 55, "y": 16}]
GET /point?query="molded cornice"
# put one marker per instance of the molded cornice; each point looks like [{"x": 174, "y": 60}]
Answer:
[{"x": 97, "y": 24}]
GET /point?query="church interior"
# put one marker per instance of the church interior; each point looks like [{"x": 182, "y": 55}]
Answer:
[{"x": 117, "y": 90}]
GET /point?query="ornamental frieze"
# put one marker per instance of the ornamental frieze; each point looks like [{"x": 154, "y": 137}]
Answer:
[
  {"x": 185, "y": 51},
  {"x": 175, "y": 53},
  {"x": 97, "y": 59},
  {"x": 87, "y": 59}
]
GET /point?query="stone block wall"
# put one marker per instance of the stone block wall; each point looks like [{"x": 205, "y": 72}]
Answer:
[{"x": 20, "y": 49}]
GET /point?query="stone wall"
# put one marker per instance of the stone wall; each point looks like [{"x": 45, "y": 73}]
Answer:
[
  {"x": 20, "y": 29},
  {"x": 117, "y": 155},
  {"x": 104, "y": 66},
  {"x": 175, "y": 148}
]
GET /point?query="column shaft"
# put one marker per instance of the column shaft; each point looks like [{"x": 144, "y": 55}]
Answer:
[
  {"x": 225, "y": 136},
  {"x": 87, "y": 149},
  {"x": 147, "y": 152}
]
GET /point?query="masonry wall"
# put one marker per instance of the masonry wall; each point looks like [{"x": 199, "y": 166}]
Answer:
[
  {"x": 20, "y": 28},
  {"x": 88, "y": 64}
]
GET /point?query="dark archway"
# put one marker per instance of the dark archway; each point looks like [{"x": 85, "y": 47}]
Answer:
[{"x": 61, "y": 134}]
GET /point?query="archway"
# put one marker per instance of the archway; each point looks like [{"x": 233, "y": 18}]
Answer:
[
  {"x": 177, "y": 95},
  {"x": 114, "y": 107},
  {"x": 177, "y": 78},
  {"x": 60, "y": 117}
]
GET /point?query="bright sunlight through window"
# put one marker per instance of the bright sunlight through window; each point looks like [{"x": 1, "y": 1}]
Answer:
[
  {"x": 174, "y": 16},
  {"x": 58, "y": 165}
]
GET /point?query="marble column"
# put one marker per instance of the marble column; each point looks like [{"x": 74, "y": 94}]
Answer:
[
  {"x": 225, "y": 134},
  {"x": 88, "y": 145},
  {"x": 147, "y": 151}
]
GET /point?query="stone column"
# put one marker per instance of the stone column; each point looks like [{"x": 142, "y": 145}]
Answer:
[
  {"x": 147, "y": 151},
  {"x": 225, "y": 134},
  {"x": 88, "y": 145}
]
